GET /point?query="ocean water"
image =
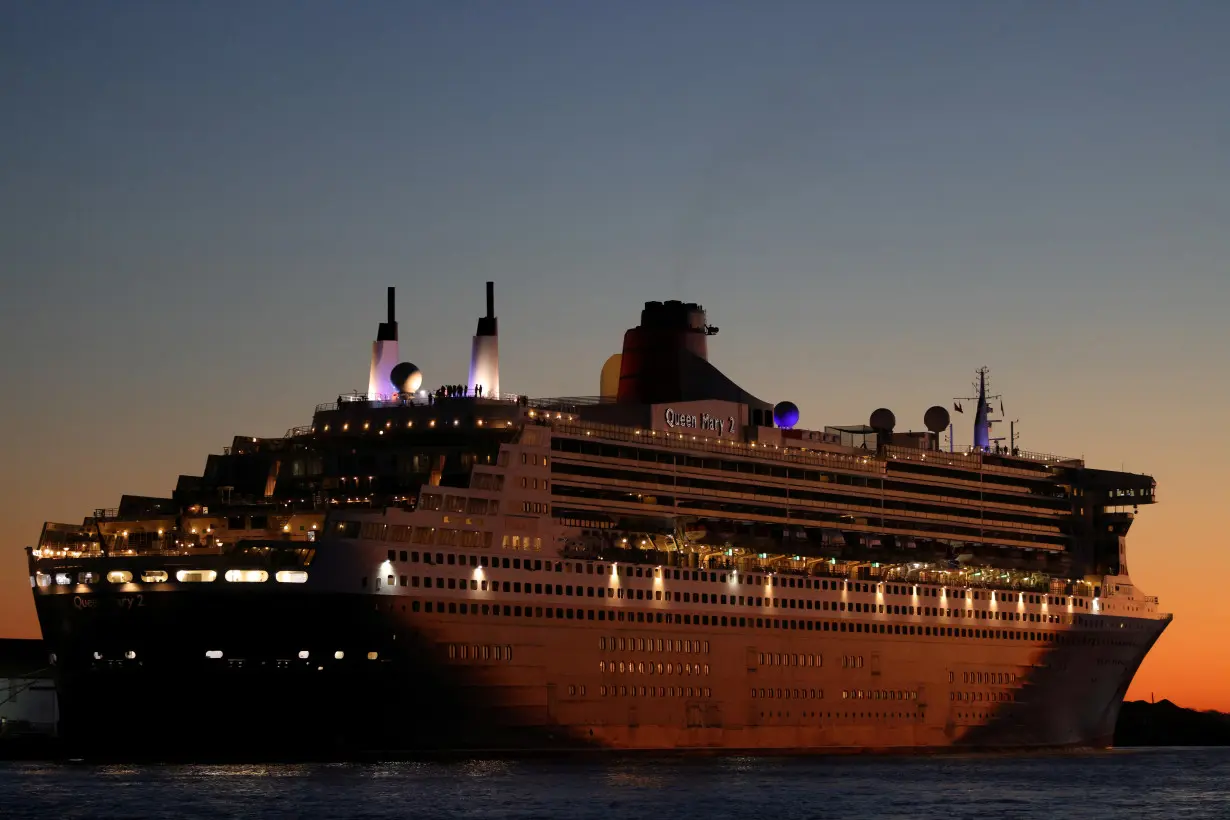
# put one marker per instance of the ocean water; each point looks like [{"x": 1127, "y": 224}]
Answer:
[{"x": 1136, "y": 783}]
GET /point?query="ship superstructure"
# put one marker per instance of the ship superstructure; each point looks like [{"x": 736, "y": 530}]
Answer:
[{"x": 675, "y": 564}]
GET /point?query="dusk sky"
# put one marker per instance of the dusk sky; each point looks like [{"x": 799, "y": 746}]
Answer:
[{"x": 201, "y": 205}]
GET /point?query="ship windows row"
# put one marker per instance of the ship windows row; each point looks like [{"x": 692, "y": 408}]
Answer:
[
  {"x": 778, "y": 659},
  {"x": 1013, "y": 490},
  {"x": 985, "y": 677},
  {"x": 651, "y": 668},
  {"x": 521, "y": 542},
  {"x": 852, "y": 662},
  {"x": 468, "y": 652},
  {"x": 699, "y": 493},
  {"x": 789, "y": 694},
  {"x": 656, "y": 691},
  {"x": 700, "y": 597},
  {"x": 486, "y": 481},
  {"x": 975, "y": 697},
  {"x": 878, "y": 694},
  {"x": 614, "y": 644},
  {"x": 689, "y": 619},
  {"x": 442, "y": 536},
  {"x": 451, "y": 559},
  {"x": 460, "y": 504},
  {"x": 750, "y": 579},
  {"x": 532, "y": 483}
]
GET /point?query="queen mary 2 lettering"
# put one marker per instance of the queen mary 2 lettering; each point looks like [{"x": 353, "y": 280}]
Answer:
[
  {"x": 677, "y": 564},
  {"x": 690, "y": 419}
]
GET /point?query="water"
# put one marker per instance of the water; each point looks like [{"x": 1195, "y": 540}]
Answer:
[{"x": 1140, "y": 783}]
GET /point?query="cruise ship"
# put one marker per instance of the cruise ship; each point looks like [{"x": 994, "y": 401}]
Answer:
[{"x": 673, "y": 564}]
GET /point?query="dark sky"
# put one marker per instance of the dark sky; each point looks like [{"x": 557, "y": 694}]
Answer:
[{"x": 201, "y": 204}]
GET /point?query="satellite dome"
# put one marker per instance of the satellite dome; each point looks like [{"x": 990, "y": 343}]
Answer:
[
  {"x": 883, "y": 419},
  {"x": 406, "y": 378},
  {"x": 785, "y": 414},
  {"x": 936, "y": 419}
]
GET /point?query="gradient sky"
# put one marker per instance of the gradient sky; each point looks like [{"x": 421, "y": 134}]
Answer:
[{"x": 202, "y": 203}]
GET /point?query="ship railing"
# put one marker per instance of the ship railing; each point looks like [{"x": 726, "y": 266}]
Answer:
[
  {"x": 569, "y": 404},
  {"x": 53, "y": 554},
  {"x": 974, "y": 457},
  {"x": 301, "y": 430},
  {"x": 975, "y": 454},
  {"x": 680, "y": 441},
  {"x": 362, "y": 401},
  {"x": 1046, "y": 458},
  {"x": 822, "y": 568}
]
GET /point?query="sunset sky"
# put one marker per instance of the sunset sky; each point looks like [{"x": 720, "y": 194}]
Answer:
[{"x": 202, "y": 203}]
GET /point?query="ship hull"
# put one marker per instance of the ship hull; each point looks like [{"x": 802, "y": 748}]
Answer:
[{"x": 135, "y": 680}]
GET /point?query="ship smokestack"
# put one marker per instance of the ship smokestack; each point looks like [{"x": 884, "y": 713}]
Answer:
[
  {"x": 384, "y": 355},
  {"x": 654, "y": 354},
  {"x": 485, "y": 352}
]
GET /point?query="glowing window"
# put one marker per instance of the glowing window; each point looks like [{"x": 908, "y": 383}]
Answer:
[
  {"x": 214, "y": 653},
  {"x": 247, "y": 576},
  {"x": 205, "y": 576},
  {"x": 291, "y": 576},
  {"x": 119, "y": 576},
  {"x": 156, "y": 576}
]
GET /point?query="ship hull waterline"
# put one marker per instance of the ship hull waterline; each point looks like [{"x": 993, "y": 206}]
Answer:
[{"x": 395, "y": 691}]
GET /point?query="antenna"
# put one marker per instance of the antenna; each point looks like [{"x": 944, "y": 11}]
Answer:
[
  {"x": 491, "y": 300},
  {"x": 392, "y": 291}
]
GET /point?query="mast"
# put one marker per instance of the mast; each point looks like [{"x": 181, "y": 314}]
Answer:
[
  {"x": 982, "y": 412},
  {"x": 982, "y": 424}
]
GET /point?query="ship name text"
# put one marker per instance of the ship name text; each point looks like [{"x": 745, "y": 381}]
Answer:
[{"x": 704, "y": 421}]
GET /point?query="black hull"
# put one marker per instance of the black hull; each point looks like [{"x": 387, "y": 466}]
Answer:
[
  {"x": 262, "y": 700},
  {"x": 135, "y": 682}
]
